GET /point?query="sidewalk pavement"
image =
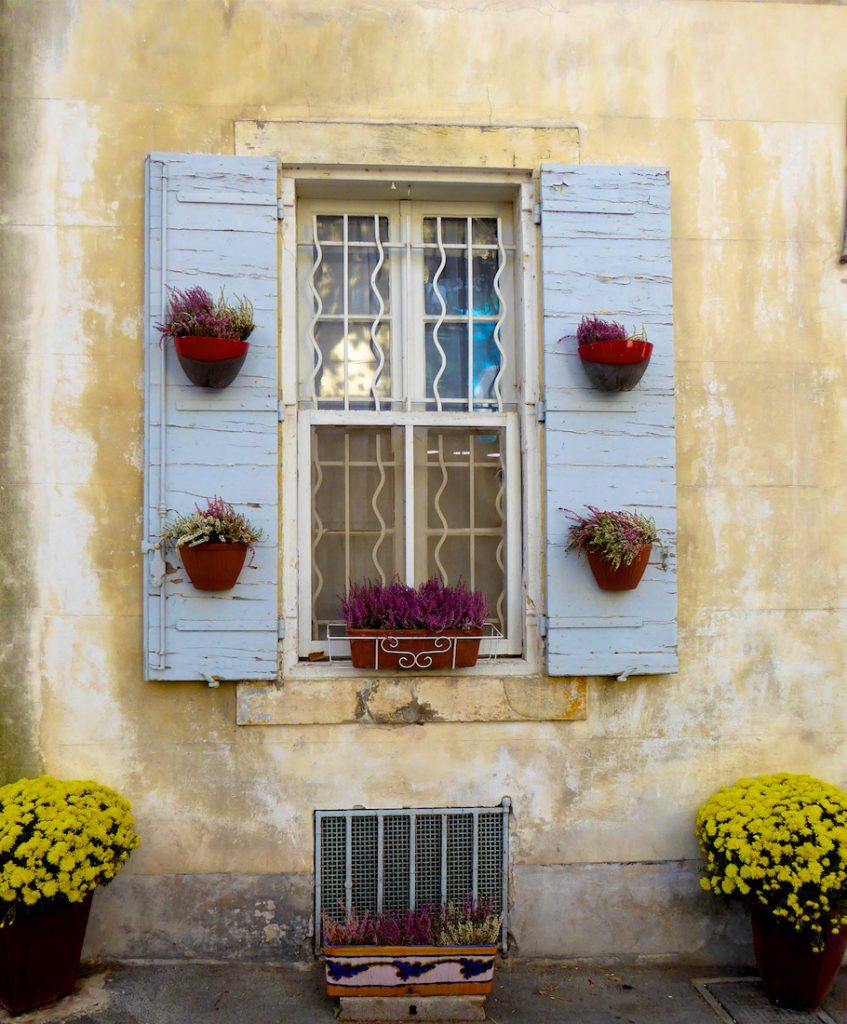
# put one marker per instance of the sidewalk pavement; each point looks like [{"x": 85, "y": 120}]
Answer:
[{"x": 525, "y": 992}]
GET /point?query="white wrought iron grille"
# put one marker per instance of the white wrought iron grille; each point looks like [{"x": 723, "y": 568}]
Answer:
[
  {"x": 375, "y": 860},
  {"x": 409, "y": 461}
]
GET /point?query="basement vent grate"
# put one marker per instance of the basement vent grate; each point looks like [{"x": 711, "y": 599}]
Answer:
[
  {"x": 401, "y": 858},
  {"x": 741, "y": 1001}
]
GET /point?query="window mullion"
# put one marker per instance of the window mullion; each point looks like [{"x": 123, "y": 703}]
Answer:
[
  {"x": 409, "y": 518},
  {"x": 469, "y": 258}
]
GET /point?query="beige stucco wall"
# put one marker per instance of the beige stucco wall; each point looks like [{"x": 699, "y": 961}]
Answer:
[{"x": 744, "y": 102}]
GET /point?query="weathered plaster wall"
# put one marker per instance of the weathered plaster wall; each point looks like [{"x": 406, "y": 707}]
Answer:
[{"x": 745, "y": 103}]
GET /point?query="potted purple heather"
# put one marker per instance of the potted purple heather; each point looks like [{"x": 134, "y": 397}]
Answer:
[
  {"x": 213, "y": 543},
  {"x": 616, "y": 544},
  {"x": 210, "y": 337},
  {"x": 395, "y": 626},
  {"x": 424, "y": 952},
  {"x": 613, "y": 359}
]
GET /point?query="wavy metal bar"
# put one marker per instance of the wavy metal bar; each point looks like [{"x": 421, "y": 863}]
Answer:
[
  {"x": 318, "y": 309},
  {"x": 498, "y": 327},
  {"x": 377, "y": 513},
  {"x": 320, "y": 530},
  {"x": 437, "y": 327},
  {"x": 375, "y": 345},
  {"x": 444, "y": 525}
]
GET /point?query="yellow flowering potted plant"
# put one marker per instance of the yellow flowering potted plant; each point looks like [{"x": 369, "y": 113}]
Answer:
[
  {"x": 780, "y": 843},
  {"x": 58, "y": 841}
]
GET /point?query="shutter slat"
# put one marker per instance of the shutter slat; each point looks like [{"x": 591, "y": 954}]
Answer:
[
  {"x": 606, "y": 251},
  {"x": 221, "y": 232}
]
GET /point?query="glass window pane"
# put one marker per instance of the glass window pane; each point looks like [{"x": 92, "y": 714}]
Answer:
[
  {"x": 453, "y": 382},
  {"x": 459, "y": 514},
  {"x": 362, "y": 299},
  {"x": 330, "y": 229},
  {"x": 329, "y": 281},
  {"x": 452, "y": 283},
  {"x": 486, "y": 361},
  {"x": 485, "y": 301},
  {"x": 357, "y": 528},
  {"x": 454, "y": 230},
  {"x": 485, "y": 231}
]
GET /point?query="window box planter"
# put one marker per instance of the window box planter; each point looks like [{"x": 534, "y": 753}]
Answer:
[
  {"x": 211, "y": 362},
  {"x": 213, "y": 566},
  {"x": 616, "y": 365},
  {"x": 356, "y": 971},
  {"x": 407, "y": 649}
]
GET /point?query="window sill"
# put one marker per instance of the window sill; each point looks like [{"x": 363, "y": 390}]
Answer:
[{"x": 332, "y": 695}]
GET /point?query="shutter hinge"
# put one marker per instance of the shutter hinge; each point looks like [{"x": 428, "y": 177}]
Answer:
[
  {"x": 280, "y": 209},
  {"x": 536, "y": 213},
  {"x": 541, "y": 410},
  {"x": 280, "y": 629},
  {"x": 543, "y": 625}
]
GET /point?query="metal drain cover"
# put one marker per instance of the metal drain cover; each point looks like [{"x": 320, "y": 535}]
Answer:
[{"x": 741, "y": 1001}]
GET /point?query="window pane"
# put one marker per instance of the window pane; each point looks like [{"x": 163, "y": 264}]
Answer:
[
  {"x": 357, "y": 529},
  {"x": 459, "y": 516},
  {"x": 452, "y": 284},
  {"x": 453, "y": 381}
]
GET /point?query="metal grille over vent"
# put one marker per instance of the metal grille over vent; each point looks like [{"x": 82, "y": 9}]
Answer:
[{"x": 396, "y": 859}]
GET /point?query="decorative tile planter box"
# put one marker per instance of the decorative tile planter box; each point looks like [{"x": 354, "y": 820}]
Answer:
[{"x": 409, "y": 970}]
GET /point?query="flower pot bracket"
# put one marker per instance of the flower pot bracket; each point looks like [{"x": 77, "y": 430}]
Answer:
[{"x": 387, "y": 648}]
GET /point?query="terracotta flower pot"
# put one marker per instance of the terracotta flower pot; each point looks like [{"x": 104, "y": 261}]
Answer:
[
  {"x": 211, "y": 362},
  {"x": 625, "y": 577},
  {"x": 414, "y": 648},
  {"x": 409, "y": 970},
  {"x": 616, "y": 365},
  {"x": 213, "y": 566},
  {"x": 39, "y": 954},
  {"x": 792, "y": 975}
]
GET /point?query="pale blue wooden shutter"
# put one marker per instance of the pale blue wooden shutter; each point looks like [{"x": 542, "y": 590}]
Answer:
[
  {"x": 606, "y": 250},
  {"x": 211, "y": 221}
]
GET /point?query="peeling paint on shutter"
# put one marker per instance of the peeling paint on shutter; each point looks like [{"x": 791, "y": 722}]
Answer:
[
  {"x": 606, "y": 251},
  {"x": 211, "y": 221}
]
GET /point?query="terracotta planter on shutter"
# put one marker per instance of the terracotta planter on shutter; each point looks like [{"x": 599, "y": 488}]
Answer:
[
  {"x": 213, "y": 566},
  {"x": 211, "y": 362},
  {"x": 616, "y": 365},
  {"x": 625, "y": 577},
  {"x": 39, "y": 954}
]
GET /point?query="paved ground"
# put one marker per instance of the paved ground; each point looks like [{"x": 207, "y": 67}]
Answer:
[{"x": 524, "y": 991}]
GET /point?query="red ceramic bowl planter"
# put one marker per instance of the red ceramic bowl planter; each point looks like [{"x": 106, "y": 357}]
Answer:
[
  {"x": 211, "y": 362},
  {"x": 213, "y": 566},
  {"x": 411, "y": 649},
  {"x": 792, "y": 975},
  {"x": 625, "y": 577},
  {"x": 616, "y": 365}
]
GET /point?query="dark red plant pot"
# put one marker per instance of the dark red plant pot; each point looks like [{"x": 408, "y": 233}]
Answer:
[
  {"x": 213, "y": 566},
  {"x": 625, "y": 577},
  {"x": 413, "y": 649},
  {"x": 792, "y": 975},
  {"x": 211, "y": 362},
  {"x": 616, "y": 365},
  {"x": 39, "y": 954}
]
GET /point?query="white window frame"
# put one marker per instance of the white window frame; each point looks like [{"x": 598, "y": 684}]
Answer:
[{"x": 523, "y": 549}]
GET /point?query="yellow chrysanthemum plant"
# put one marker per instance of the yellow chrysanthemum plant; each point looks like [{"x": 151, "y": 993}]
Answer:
[
  {"x": 780, "y": 842},
  {"x": 58, "y": 841}
]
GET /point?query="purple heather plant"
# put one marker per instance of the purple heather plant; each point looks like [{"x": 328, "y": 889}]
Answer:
[
  {"x": 618, "y": 536},
  {"x": 217, "y": 523},
  {"x": 194, "y": 313},
  {"x": 471, "y": 922},
  {"x": 593, "y": 329},
  {"x": 432, "y": 605}
]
